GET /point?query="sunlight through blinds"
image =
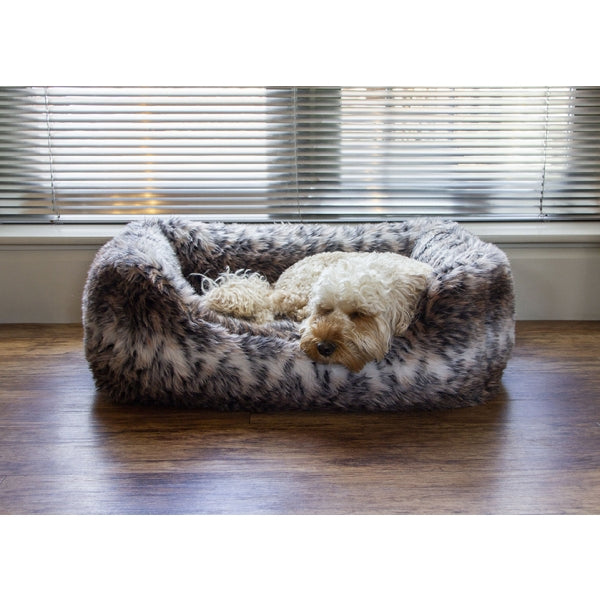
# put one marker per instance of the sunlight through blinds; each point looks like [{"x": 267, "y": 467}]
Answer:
[{"x": 291, "y": 154}]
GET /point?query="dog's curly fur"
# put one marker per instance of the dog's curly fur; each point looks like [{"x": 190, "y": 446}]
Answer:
[
  {"x": 352, "y": 303},
  {"x": 150, "y": 339}
]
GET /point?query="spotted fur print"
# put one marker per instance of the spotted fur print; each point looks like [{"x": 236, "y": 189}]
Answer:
[{"x": 150, "y": 339}]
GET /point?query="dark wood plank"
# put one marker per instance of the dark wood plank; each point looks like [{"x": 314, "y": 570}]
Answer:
[{"x": 534, "y": 448}]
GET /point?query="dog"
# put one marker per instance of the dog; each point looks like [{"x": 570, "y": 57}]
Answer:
[{"x": 350, "y": 304}]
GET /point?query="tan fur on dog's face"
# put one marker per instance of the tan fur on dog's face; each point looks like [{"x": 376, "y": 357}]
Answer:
[
  {"x": 359, "y": 337},
  {"x": 357, "y": 305}
]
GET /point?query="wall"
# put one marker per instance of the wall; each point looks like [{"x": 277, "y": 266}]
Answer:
[{"x": 556, "y": 269}]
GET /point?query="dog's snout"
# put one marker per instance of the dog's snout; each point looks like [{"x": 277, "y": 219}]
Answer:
[{"x": 326, "y": 348}]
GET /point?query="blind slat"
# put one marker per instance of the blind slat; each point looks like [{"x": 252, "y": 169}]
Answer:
[{"x": 330, "y": 154}]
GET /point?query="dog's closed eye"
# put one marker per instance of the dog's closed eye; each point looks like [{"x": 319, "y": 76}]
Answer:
[
  {"x": 324, "y": 310},
  {"x": 355, "y": 315}
]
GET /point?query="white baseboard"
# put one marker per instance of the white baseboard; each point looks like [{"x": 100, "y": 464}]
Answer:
[
  {"x": 43, "y": 284},
  {"x": 556, "y": 270},
  {"x": 556, "y": 282}
]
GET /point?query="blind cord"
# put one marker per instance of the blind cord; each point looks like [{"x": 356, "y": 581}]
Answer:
[
  {"x": 295, "y": 150},
  {"x": 542, "y": 214},
  {"x": 55, "y": 209}
]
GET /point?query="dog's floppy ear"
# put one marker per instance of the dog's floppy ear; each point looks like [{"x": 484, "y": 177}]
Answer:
[
  {"x": 411, "y": 281},
  {"x": 404, "y": 316}
]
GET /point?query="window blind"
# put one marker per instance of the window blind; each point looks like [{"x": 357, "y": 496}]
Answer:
[{"x": 290, "y": 154}]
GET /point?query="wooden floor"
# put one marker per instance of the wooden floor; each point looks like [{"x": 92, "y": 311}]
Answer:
[{"x": 535, "y": 448}]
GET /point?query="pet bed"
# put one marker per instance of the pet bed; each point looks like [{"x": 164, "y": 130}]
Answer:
[{"x": 149, "y": 339}]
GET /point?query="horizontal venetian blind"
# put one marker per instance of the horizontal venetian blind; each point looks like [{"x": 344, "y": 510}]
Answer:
[{"x": 287, "y": 154}]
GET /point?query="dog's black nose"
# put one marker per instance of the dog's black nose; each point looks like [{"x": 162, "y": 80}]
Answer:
[{"x": 326, "y": 348}]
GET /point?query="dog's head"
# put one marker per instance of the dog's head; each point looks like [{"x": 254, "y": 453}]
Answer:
[{"x": 358, "y": 305}]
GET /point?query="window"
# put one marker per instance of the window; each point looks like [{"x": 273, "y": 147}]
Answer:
[{"x": 289, "y": 154}]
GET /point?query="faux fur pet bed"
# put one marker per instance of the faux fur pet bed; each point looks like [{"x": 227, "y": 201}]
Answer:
[{"x": 149, "y": 339}]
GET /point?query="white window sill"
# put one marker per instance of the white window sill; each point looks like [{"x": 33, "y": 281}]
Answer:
[{"x": 564, "y": 232}]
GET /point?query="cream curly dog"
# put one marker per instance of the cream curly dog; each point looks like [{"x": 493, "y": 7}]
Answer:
[{"x": 351, "y": 304}]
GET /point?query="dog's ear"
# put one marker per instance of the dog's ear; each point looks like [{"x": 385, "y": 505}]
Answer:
[
  {"x": 408, "y": 289},
  {"x": 403, "y": 318}
]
